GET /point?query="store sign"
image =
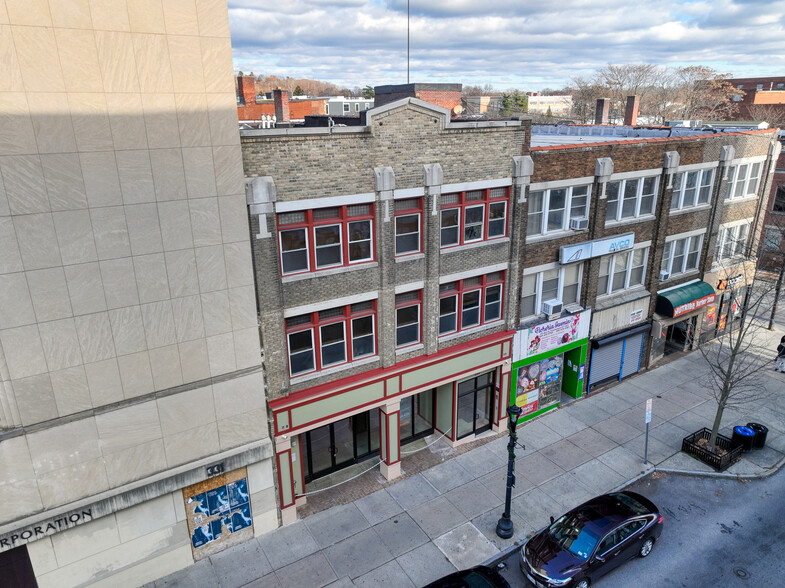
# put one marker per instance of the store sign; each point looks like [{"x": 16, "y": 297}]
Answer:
[
  {"x": 550, "y": 335},
  {"x": 636, "y": 316},
  {"x": 693, "y": 305},
  {"x": 730, "y": 282},
  {"x": 581, "y": 251}
]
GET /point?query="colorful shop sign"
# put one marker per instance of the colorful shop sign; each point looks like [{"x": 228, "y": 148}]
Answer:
[
  {"x": 544, "y": 337},
  {"x": 538, "y": 385}
]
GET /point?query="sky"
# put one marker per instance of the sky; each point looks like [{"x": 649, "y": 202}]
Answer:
[{"x": 524, "y": 44}]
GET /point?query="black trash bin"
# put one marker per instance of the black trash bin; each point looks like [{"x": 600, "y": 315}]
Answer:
[
  {"x": 760, "y": 434},
  {"x": 743, "y": 436}
]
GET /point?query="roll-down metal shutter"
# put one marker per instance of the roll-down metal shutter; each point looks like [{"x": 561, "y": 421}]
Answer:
[
  {"x": 606, "y": 362},
  {"x": 633, "y": 346}
]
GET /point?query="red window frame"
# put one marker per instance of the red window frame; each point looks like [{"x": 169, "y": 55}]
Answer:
[
  {"x": 314, "y": 220},
  {"x": 465, "y": 202},
  {"x": 411, "y": 211},
  {"x": 316, "y": 321},
  {"x": 461, "y": 290},
  {"x": 411, "y": 299}
]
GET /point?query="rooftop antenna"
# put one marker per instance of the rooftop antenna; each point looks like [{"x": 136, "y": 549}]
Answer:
[{"x": 407, "y": 41}]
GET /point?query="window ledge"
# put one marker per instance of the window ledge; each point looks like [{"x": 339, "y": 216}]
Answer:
[
  {"x": 682, "y": 276},
  {"x": 699, "y": 208},
  {"x": 456, "y": 248},
  {"x": 620, "y": 297},
  {"x": 553, "y": 235},
  {"x": 724, "y": 264},
  {"x": 747, "y": 198},
  {"x": 332, "y": 370},
  {"x": 464, "y": 332},
  {"x": 630, "y": 221},
  {"x": 329, "y": 272},
  {"x": 409, "y": 257},
  {"x": 409, "y": 348}
]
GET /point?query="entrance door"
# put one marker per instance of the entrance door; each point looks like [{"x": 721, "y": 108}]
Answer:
[
  {"x": 417, "y": 416},
  {"x": 475, "y": 404},
  {"x": 340, "y": 444},
  {"x": 16, "y": 570}
]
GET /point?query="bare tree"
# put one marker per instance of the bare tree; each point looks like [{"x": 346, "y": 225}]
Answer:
[
  {"x": 701, "y": 92},
  {"x": 771, "y": 113},
  {"x": 739, "y": 354}
]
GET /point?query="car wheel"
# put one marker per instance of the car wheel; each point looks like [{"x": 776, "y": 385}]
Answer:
[
  {"x": 646, "y": 547},
  {"x": 584, "y": 583}
]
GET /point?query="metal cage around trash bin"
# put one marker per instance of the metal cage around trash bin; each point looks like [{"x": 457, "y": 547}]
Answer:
[{"x": 761, "y": 431}]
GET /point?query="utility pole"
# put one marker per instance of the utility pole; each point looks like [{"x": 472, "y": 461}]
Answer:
[{"x": 407, "y": 41}]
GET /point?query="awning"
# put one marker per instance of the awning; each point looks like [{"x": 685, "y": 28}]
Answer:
[{"x": 685, "y": 299}]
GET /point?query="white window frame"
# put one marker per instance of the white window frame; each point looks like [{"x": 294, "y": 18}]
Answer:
[
  {"x": 613, "y": 260},
  {"x": 728, "y": 236},
  {"x": 740, "y": 188},
  {"x": 546, "y": 188},
  {"x": 538, "y": 273},
  {"x": 347, "y": 107},
  {"x": 690, "y": 240},
  {"x": 682, "y": 177},
  {"x": 622, "y": 179}
]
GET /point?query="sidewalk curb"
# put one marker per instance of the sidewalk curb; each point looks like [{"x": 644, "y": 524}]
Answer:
[{"x": 505, "y": 553}]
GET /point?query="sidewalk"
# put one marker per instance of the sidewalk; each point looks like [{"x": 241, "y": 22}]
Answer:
[{"x": 413, "y": 531}]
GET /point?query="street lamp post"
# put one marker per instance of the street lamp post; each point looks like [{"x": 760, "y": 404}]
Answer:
[{"x": 504, "y": 528}]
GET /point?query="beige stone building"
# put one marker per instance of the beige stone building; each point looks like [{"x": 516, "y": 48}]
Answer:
[{"x": 133, "y": 429}]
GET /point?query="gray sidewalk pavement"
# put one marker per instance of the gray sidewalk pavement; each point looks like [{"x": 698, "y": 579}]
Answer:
[{"x": 444, "y": 518}]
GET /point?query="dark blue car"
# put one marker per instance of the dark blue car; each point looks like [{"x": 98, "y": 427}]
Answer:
[{"x": 591, "y": 540}]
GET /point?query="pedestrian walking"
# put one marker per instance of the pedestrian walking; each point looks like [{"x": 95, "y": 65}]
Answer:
[{"x": 780, "y": 363}]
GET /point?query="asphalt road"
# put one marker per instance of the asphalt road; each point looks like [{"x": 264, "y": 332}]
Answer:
[{"x": 718, "y": 533}]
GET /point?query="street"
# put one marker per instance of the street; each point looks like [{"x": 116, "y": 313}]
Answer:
[{"x": 718, "y": 532}]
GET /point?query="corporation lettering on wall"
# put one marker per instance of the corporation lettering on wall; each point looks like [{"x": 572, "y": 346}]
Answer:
[
  {"x": 47, "y": 527},
  {"x": 581, "y": 251}
]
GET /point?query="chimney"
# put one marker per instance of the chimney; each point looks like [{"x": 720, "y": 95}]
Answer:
[
  {"x": 601, "y": 112},
  {"x": 281, "y": 99},
  {"x": 631, "y": 112},
  {"x": 246, "y": 86}
]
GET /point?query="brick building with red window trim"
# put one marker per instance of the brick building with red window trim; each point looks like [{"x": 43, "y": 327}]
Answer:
[{"x": 409, "y": 162}]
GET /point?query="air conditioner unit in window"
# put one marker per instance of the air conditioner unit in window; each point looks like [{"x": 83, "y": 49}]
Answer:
[
  {"x": 552, "y": 307},
  {"x": 578, "y": 224},
  {"x": 664, "y": 276}
]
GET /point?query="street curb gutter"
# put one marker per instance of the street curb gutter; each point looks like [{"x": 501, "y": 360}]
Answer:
[{"x": 505, "y": 553}]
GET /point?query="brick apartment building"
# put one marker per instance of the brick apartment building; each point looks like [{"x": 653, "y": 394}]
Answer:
[
  {"x": 418, "y": 274},
  {"x": 133, "y": 429}
]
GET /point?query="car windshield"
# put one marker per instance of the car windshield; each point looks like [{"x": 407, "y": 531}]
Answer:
[{"x": 570, "y": 532}]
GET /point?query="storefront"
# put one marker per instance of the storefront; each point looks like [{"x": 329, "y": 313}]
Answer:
[
  {"x": 724, "y": 314},
  {"x": 548, "y": 359},
  {"x": 618, "y": 340},
  {"x": 680, "y": 313}
]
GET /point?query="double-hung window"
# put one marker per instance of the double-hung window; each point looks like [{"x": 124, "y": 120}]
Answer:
[
  {"x": 408, "y": 223},
  {"x": 732, "y": 241},
  {"x": 470, "y": 302},
  {"x": 558, "y": 283},
  {"x": 630, "y": 198},
  {"x": 408, "y": 316},
  {"x": 473, "y": 216},
  {"x": 320, "y": 238},
  {"x": 779, "y": 199},
  {"x": 681, "y": 254},
  {"x": 327, "y": 338},
  {"x": 743, "y": 180},
  {"x": 551, "y": 210},
  {"x": 691, "y": 188},
  {"x": 622, "y": 271}
]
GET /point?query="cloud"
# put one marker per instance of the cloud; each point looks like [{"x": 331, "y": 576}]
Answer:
[{"x": 502, "y": 42}]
